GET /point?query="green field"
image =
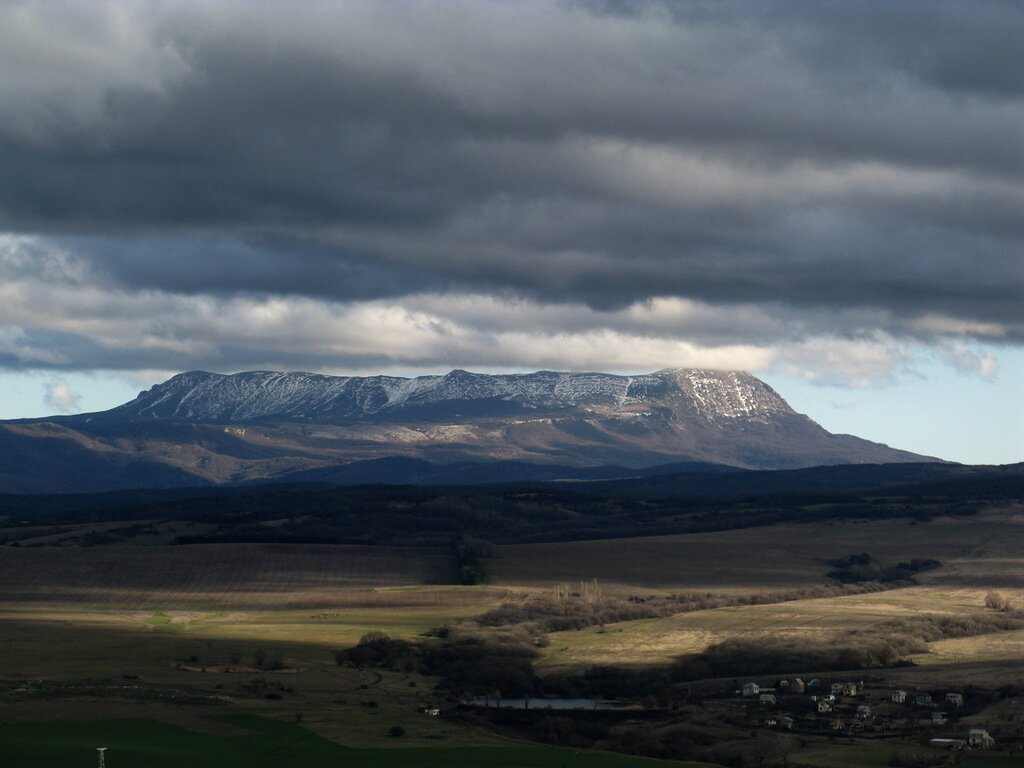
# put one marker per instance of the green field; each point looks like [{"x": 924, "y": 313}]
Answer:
[
  {"x": 254, "y": 742},
  {"x": 876, "y": 755}
]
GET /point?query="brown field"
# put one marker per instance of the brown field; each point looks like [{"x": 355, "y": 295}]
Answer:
[
  {"x": 214, "y": 576},
  {"x": 983, "y": 550}
]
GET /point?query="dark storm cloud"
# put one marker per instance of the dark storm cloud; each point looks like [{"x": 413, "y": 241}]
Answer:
[
  {"x": 36, "y": 349},
  {"x": 801, "y": 155},
  {"x": 936, "y": 41}
]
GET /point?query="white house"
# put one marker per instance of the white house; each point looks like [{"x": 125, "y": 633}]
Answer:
[
  {"x": 767, "y": 698},
  {"x": 978, "y": 737},
  {"x": 898, "y": 697},
  {"x": 955, "y": 699},
  {"x": 751, "y": 689}
]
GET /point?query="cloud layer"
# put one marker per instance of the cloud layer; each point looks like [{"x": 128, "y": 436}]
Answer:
[{"x": 358, "y": 185}]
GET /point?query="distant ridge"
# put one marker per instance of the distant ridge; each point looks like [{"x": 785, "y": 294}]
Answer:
[{"x": 208, "y": 428}]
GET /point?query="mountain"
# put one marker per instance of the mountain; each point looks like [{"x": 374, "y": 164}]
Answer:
[
  {"x": 259, "y": 396},
  {"x": 214, "y": 428}
]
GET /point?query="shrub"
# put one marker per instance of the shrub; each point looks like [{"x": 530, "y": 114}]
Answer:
[{"x": 996, "y": 602}]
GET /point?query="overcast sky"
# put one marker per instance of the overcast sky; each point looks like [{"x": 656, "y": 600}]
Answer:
[{"x": 826, "y": 193}]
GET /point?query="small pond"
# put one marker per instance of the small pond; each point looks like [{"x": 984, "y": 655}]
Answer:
[{"x": 547, "y": 703}]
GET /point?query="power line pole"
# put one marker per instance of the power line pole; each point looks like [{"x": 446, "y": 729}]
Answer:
[{"x": 101, "y": 750}]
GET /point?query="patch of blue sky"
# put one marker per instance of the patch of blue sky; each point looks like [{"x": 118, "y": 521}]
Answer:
[{"x": 934, "y": 409}]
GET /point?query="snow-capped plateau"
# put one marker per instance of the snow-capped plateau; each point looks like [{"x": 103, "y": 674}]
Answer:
[
  {"x": 262, "y": 425},
  {"x": 268, "y": 396}
]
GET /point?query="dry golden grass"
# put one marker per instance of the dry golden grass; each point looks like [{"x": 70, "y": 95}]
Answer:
[
  {"x": 657, "y": 641},
  {"x": 1001, "y": 646}
]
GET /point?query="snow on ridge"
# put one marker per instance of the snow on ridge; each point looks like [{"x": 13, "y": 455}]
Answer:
[{"x": 199, "y": 395}]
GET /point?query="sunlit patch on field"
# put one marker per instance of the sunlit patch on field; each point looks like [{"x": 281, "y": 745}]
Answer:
[
  {"x": 655, "y": 641},
  {"x": 998, "y": 646}
]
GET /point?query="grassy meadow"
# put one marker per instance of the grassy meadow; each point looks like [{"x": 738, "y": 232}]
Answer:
[{"x": 255, "y": 742}]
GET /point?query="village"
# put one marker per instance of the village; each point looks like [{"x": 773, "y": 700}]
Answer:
[{"x": 942, "y": 719}]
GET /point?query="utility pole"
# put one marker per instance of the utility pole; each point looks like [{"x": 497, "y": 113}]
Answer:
[{"x": 101, "y": 750}]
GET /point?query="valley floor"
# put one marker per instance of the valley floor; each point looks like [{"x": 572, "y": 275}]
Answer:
[{"x": 130, "y": 641}]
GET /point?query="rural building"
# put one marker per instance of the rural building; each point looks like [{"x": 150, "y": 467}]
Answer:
[
  {"x": 767, "y": 698},
  {"x": 978, "y": 737},
  {"x": 751, "y": 689},
  {"x": 939, "y": 718},
  {"x": 955, "y": 699},
  {"x": 850, "y": 689},
  {"x": 824, "y": 706},
  {"x": 863, "y": 711},
  {"x": 797, "y": 686},
  {"x": 837, "y": 688},
  {"x": 898, "y": 697},
  {"x": 923, "y": 700},
  {"x": 432, "y": 711},
  {"x": 787, "y": 722},
  {"x": 947, "y": 743}
]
